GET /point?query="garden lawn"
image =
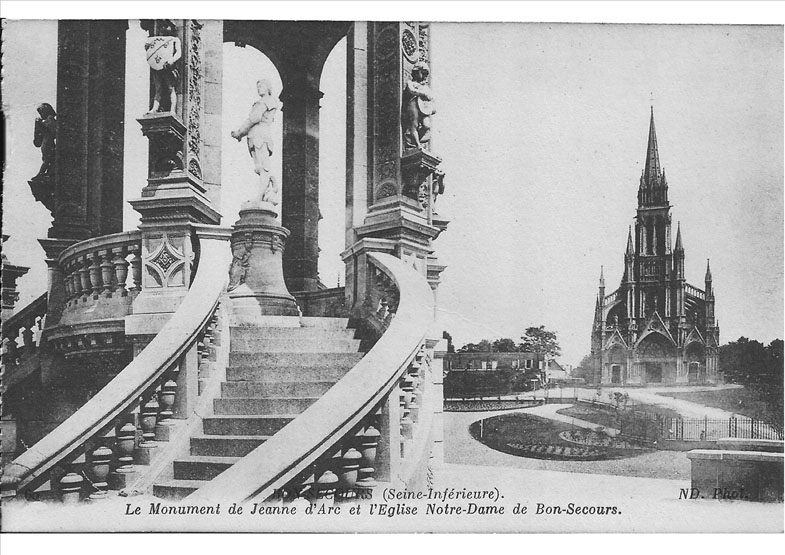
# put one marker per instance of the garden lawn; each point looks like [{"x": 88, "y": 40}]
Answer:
[{"x": 738, "y": 400}]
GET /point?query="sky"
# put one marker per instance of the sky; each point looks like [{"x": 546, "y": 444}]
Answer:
[{"x": 542, "y": 129}]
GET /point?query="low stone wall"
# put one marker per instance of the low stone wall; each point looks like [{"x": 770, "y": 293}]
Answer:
[{"x": 736, "y": 475}]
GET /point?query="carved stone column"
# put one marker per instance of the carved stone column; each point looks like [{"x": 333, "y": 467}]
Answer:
[
  {"x": 393, "y": 189},
  {"x": 88, "y": 189},
  {"x": 300, "y": 198},
  {"x": 175, "y": 196}
]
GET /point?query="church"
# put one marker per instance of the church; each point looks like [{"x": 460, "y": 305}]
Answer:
[{"x": 655, "y": 328}]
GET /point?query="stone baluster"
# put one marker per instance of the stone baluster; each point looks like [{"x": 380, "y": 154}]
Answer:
[
  {"x": 148, "y": 420},
  {"x": 95, "y": 276},
  {"x": 349, "y": 473},
  {"x": 126, "y": 443},
  {"x": 136, "y": 268},
  {"x": 71, "y": 488},
  {"x": 368, "y": 441},
  {"x": 416, "y": 393},
  {"x": 120, "y": 269},
  {"x": 100, "y": 460},
  {"x": 84, "y": 276},
  {"x": 76, "y": 282},
  {"x": 107, "y": 273},
  {"x": 166, "y": 397},
  {"x": 68, "y": 283},
  {"x": 325, "y": 486}
]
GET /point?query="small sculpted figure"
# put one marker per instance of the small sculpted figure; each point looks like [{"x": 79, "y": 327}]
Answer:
[
  {"x": 163, "y": 50},
  {"x": 45, "y": 138},
  {"x": 257, "y": 128},
  {"x": 418, "y": 107}
]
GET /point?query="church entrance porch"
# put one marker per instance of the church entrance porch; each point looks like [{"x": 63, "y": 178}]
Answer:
[
  {"x": 616, "y": 374},
  {"x": 653, "y": 372}
]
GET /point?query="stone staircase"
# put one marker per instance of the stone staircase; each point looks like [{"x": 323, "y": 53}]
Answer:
[{"x": 274, "y": 374}]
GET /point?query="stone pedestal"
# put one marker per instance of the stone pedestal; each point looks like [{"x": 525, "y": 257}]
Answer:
[{"x": 256, "y": 284}]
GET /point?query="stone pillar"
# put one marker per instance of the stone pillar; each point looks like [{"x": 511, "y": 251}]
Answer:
[
  {"x": 256, "y": 281},
  {"x": 391, "y": 188},
  {"x": 300, "y": 196},
  {"x": 10, "y": 273},
  {"x": 176, "y": 197},
  {"x": 90, "y": 105}
]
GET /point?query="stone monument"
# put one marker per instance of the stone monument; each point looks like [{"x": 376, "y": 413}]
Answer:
[{"x": 256, "y": 283}]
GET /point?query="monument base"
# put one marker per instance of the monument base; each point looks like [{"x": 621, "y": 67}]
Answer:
[{"x": 256, "y": 284}]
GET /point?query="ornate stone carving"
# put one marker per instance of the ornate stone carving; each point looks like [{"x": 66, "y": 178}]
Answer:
[
  {"x": 424, "y": 31},
  {"x": 409, "y": 45},
  {"x": 165, "y": 263},
  {"x": 417, "y": 109},
  {"x": 163, "y": 50},
  {"x": 195, "y": 81},
  {"x": 240, "y": 262},
  {"x": 45, "y": 138}
]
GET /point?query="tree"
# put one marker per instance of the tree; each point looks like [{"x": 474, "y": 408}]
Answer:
[
  {"x": 483, "y": 346},
  {"x": 585, "y": 369},
  {"x": 539, "y": 340},
  {"x": 504, "y": 345}
]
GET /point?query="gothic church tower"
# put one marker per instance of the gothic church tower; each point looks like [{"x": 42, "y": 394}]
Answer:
[{"x": 655, "y": 328}]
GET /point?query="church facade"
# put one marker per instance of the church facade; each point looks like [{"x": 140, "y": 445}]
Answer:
[{"x": 655, "y": 328}]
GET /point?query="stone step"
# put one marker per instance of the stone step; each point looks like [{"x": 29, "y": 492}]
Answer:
[
  {"x": 295, "y": 345},
  {"x": 257, "y": 425},
  {"x": 175, "y": 490},
  {"x": 294, "y": 360},
  {"x": 225, "y": 445},
  {"x": 270, "y": 390},
  {"x": 292, "y": 374},
  {"x": 201, "y": 468},
  {"x": 249, "y": 406},
  {"x": 323, "y": 322},
  {"x": 242, "y": 333}
]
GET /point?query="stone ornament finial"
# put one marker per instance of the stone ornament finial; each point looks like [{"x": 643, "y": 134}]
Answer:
[
  {"x": 257, "y": 128},
  {"x": 418, "y": 107}
]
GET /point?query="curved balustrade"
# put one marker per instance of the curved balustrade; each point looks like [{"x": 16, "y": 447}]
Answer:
[
  {"x": 107, "y": 267},
  {"x": 695, "y": 292},
  {"x": 143, "y": 395},
  {"x": 338, "y": 444}
]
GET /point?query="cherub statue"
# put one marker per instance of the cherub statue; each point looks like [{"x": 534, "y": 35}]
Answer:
[
  {"x": 163, "y": 51},
  {"x": 417, "y": 109},
  {"x": 258, "y": 128},
  {"x": 45, "y": 138}
]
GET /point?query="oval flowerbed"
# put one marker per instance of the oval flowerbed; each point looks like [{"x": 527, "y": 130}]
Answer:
[{"x": 530, "y": 436}]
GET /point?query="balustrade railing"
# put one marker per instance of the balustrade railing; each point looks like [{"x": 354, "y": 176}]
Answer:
[
  {"x": 21, "y": 338},
  {"x": 368, "y": 427},
  {"x": 695, "y": 292},
  {"x": 96, "y": 448},
  {"x": 102, "y": 268},
  {"x": 612, "y": 298}
]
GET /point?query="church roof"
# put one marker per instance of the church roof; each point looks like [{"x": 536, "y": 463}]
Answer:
[{"x": 652, "y": 168}]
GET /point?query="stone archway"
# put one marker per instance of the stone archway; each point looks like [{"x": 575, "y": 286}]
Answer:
[{"x": 657, "y": 357}]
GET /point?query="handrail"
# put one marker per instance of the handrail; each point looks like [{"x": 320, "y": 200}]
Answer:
[
  {"x": 174, "y": 339},
  {"x": 104, "y": 241},
  {"x": 326, "y": 422},
  {"x": 35, "y": 309}
]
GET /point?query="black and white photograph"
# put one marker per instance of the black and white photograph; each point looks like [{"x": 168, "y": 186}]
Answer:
[{"x": 417, "y": 271}]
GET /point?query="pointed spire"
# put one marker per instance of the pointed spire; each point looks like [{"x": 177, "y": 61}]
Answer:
[
  {"x": 652, "y": 168},
  {"x": 602, "y": 277},
  {"x": 630, "y": 248},
  {"x": 679, "y": 246},
  {"x": 708, "y": 270}
]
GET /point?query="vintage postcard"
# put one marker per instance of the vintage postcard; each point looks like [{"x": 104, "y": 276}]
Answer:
[{"x": 391, "y": 275}]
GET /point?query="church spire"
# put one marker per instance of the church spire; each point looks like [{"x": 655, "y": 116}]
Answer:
[
  {"x": 653, "y": 190},
  {"x": 602, "y": 277},
  {"x": 707, "y": 279},
  {"x": 679, "y": 246},
  {"x": 630, "y": 248},
  {"x": 652, "y": 168}
]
